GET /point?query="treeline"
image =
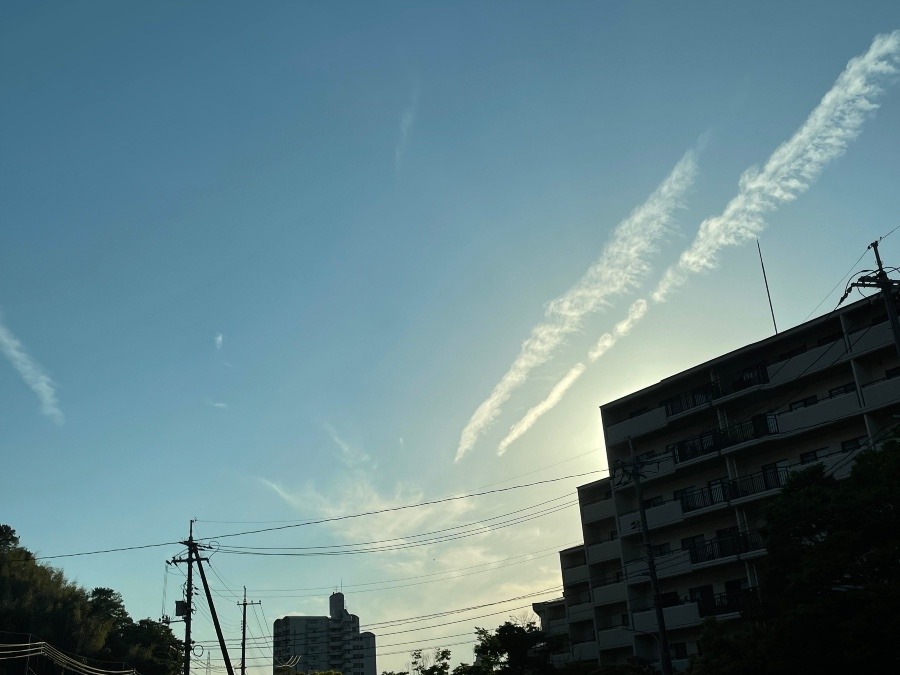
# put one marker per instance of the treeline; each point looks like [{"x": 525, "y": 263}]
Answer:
[{"x": 37, "y": 603}]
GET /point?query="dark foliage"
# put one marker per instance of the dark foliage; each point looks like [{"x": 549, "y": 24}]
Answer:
[{"x": 37, "y": 603}]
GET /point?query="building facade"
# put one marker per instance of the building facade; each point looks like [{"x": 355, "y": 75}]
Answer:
[
  {"x": 308, "y": 644},
  {"x": 712, "y": 443}
]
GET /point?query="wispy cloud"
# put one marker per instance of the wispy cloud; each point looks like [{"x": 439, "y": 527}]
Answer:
[
  {"x": 350, "y": 456},
  {"x": 217, "y": 404},
  {"x": 606, "y": 341},
  {"x": 219, "y": 340},
  {"x": 623, "y": 262},
  {"x": 32, "y": 373},
  {"x": 407, "y": 120},
  {"x": 788, "y": 172},
  {"x": 835, "y": 122}
]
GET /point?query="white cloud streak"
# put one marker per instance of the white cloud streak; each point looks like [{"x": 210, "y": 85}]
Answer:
[
  {"x": 606, "y": 341},
  {"x": 835, "y": 122},
  {"x": 619, "y": 268},
  {"x": 407, "y": 120},
  {"x": 788, "y": 172},
  {"x": 32, "y": 373},
  {"x": 219, "y": 340}
]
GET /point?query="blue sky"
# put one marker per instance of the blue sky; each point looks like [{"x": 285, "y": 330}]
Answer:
[{"x": 374, "y": 206}]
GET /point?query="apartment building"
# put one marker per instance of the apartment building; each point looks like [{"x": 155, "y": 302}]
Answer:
[
  {"x": 308, "y": 644},
  {"x": 713, "y": 442}
]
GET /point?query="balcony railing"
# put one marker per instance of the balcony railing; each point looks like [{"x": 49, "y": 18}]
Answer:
[
  {"x": 758, "y": 374},
  {"x": 724, "y": 490},
  {"x": 746, "y": 602},
  {"x": 714, "y": 440},
  {"x": 759, "y": 482},
  {"x": 722, "y": 547},
  {"x": 690, "y": 399}
]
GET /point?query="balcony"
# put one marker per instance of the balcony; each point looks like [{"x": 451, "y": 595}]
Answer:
[
  {"x": 575, "y": 574},
  {"x": 657, "y": 516},
  {"x": 744, "y": 602},
  {"x": 749, "y": 377},
  {"x": 725, "y": 547},
  {"x": 881, "y": 392},
  {"x": 756, "y": 483},
  {"x": 635, "y": 426},
  {"x": 676, "y": 616},
  {"x": 713, "y": 440},
  {"x": 607, "y": 550},
  {"x": 667, "y": 565},
  {"x": 689, "y": 400},
  {"x": 597, "y": 511},
  {"x": 824, "y": 411},
  {"x": 585, "y": 651},
  {"x": 871, "y": 338},
  {"x": 807, "y": 362},
  {"x": 614, "y": 637},
  {"x": 607, "y": 594}
]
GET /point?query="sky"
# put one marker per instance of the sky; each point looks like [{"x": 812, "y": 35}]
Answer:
[{"x": 268, "y": 264}]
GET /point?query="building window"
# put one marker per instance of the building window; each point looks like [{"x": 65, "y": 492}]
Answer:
[
  {"x": 854, "y": 444},
  {"x": 891, "y": 373},
  {"x": 813, "y": 455},
  {"x": 843, "y": 389},
  {"x": 804, "y": 403}
]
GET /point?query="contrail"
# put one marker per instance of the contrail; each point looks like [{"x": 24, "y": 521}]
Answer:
[
  {"x": 621, "y": 265},
  {"x": 635, "y": 313},
  {"x": 835, "y": 122},
  {"x": 824, "y": 136},
  {"x": 33, "y": 375}
]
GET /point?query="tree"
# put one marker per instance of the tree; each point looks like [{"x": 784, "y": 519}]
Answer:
[
  {"x": 832, "y": 579},
  {"x": 37, "y": 600},
  {"x": 435, "y": 663}
]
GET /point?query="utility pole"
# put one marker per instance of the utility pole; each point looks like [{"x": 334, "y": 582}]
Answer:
[
  {"x": 188, "y": 597},
  {"x": 633, "y": 469},
  {"x": 193, "y": 554},
  {"x": 244, "y": 630},
  {"x": 881, "y": 281}
]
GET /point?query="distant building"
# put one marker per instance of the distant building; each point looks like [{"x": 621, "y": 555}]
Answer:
[
  {"x": 716, "y": 440},
  {"x": 307, "y": 644}
]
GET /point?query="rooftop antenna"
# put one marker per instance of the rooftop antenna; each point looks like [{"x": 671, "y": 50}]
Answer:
[{"x": 766, "y": 280}]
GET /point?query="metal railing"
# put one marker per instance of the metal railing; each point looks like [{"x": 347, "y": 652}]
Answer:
[
  {"x": 722, "y": 547},
  {"x": 713, "y": 440}
]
